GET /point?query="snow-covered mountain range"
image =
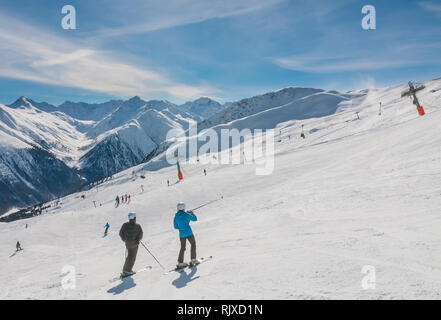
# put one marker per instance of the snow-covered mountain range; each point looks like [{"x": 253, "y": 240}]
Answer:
[
  {"x": 357, "y": 193},
  {"x": 48, "y": 151},
  {"x": 267, "y": 111},
  {"x": 86, "y": 142}
]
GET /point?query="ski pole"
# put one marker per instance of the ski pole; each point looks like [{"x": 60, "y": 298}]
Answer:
[
  {"x": 152, "y": 255},
  {"x": 210, "y": 202}
]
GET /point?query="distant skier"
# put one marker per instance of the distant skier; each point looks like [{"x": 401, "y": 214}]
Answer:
[
  {"x": 131, "y": 233},
  {"x": 128, "y": 199},
  {"x": 125, "y": 198},
  {"x": 168, "y": 183},
  {"x": 182, "y": 223},
  {"x": 117, "y": 202},
  {"x": 205, "y": 171},
  {"x": 302, "y": 134},
  {"x": 18, "y": 246},
  {"x": 107, "y": 226}
]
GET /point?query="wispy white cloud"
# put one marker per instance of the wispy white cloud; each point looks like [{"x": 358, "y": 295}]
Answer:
[
  {"x": 322, "y": 9},
  {"x": 342, "y": 49},
  {"x": 431, "y": 7},
  {"x": 324, "y": 64},
  {"x": 58, "y": 58},
  {"x": 33, "y": 54},
  {"x": 157, "y": 16}
]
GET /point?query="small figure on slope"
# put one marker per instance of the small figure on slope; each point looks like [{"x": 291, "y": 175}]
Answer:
[
  {"x": 18, "y": 246},
  {"x": 107, "y": 226},
  {"x": 117, "y": 202},
  {"x": 131, "y": 233},
  {"x": 182, "y": 223}
]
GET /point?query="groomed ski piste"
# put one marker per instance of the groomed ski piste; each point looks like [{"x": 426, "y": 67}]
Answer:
[{"x": 354, "y": 193}]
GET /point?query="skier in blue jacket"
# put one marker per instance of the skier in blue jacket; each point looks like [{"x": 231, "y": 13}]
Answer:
[
  {"x": 182, "y": 223},
  {"x": 107, "y": 226}
]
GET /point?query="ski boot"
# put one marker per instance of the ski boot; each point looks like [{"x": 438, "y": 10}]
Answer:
[
  {"x": 181, "y": 265},
  {"x": 127, "y": 274},
  {"x": 194, "y": 262}
]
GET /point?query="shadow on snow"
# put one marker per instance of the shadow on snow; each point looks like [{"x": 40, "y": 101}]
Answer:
[
  {"x": 127, "y": 283},
  {"x": 185, "y": 278}
]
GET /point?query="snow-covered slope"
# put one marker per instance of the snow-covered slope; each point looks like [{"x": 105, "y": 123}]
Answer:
[
  {"x": 354, "y": 193},
  {"x": 127, "y": 135},
  {"x": 249, "y": 106},
  {"x": 31, "y": 175},
  {"x": 83, "y": 137},
  {"x": 28, "y": 123},
  {"x": 266, "y": 112},
  {"x": 34, "y": 148},
  {"x": 117, "y": 150}
]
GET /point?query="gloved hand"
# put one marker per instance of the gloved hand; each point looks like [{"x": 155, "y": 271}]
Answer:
[{"x": 190, "y": 212}]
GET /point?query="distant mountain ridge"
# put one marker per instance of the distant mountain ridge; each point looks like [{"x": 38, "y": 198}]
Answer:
[
  {"x": 82, "y": 141},
  {"x": 86, "y": 142},
  {"x": 265, "y": 111}
]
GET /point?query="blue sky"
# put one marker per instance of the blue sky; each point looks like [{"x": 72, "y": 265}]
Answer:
[{"x": 180, "y": 50}]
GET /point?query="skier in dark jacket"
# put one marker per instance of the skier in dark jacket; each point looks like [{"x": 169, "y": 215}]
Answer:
[
  {"x": 131, "y": 233},
  {"x": 18, "y": 246},
  {"x": 181, "y": 222}
]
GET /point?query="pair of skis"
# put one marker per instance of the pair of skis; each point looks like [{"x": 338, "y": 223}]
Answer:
[
  {"x": 188, "y": 266},
  {"x": 123, "y": 276}
]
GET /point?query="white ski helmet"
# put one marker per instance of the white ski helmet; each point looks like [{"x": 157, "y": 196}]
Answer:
[
  {"x": 181, "y": 206},
  {"x": 132, "y": 215}
]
